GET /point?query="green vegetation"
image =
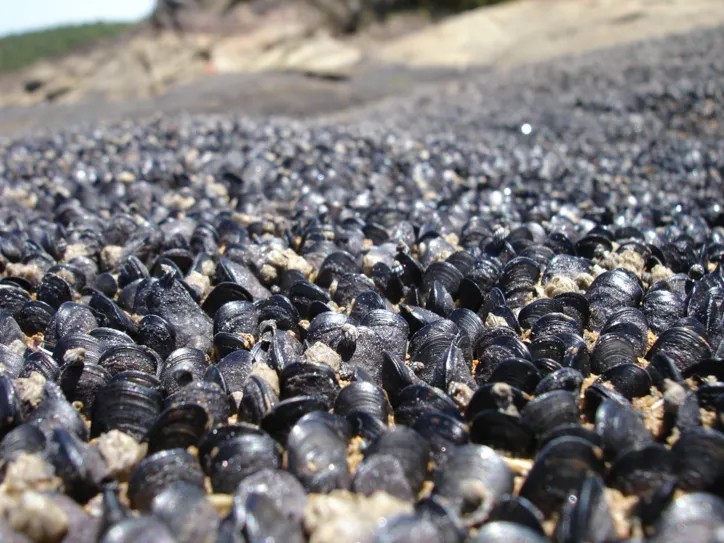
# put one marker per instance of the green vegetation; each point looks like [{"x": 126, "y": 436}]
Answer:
[{"x": 19, "y": 50}]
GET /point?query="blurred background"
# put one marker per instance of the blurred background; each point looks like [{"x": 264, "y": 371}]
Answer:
[{"x": 106, "y": 59}]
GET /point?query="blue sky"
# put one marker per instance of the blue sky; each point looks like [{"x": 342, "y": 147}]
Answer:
[{"x": 22, "y": 15}]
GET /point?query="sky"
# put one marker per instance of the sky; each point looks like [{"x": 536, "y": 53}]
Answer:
[{"x": 23, "y": 15}]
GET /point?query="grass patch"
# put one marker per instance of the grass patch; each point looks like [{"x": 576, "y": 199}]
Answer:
[{"x": 20, "y": 50}]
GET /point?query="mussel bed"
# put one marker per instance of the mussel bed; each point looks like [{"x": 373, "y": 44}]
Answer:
[{"x": 230, "y": 330}]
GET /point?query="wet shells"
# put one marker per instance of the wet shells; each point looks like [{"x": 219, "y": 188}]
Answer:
[
  {"x": 279, "y": 309},
  {"x": 396, "y": 375},
  {"x": 257, "y": 400},
  {"x": 587, "y": 517},
  {"x": 11, "y": 362},
  {"x": 317, "y": 453},
  {"x": 699, "y": 460},
  {"x": 559, "y": 470},
  {"x": 168, "y": 299},
  {"x": 516, "y": 372},
  {"x": 445, "y": 274},
  {"x": 609, "y": 292},
  {"x": 130, "y": 357},
  {"x": 34, "y": 317},
  {"x": 159, "y": 471},
  {"x": 629, "y": 323},
  {"x": 223, "y": 294},
  {"x": 662, "y": 309},
  {"x": 684, "y": 346},
  {"x": 693, "y": 517},
  {"x": 70, "y": 318},
  {"x": 474, "y": 478},
  {"x": 382, "y": 472},
  {"x": 567, "y": 379},
  {"x": 80, "y": 382},
  {"x": 409, "y": 448},
  {"x": 157, "y": 333},
  {"x": 184, "y": 509},
  {"x": 125, "y": 406},
  {"x": 239, "y": 457},
  {"x": 496, "y": 349},
  {"x": 537, "y": 309},
  {"x": 23, "y": 439},
  {"x": 55, "y": 412},
  {"x": 281, "y": 487},
  {"x": 235, "y": 369},
  {"x": 553, "y": 324},
  {"x": 181, "y": 367},
  {"x": 11, "y": 413},
  {"x": 502, "y": 431},
  {"x": 54, "y": 291},
  {"x": 511, "y": 532},
  {"x": 335, "y": 266},
  {"x": 417, "y": 400},
  {"x": 237, "y": 317},
  {"x": 497, "y": 396},
  {"x": 80, "y": 466},
  {"x": 549, "y": 410},
  {"x": 518, "y": 510},
  {"x": 209, "y": 395},
  {"x": 630, "y": 380},
  {"x": 443, "y": 433},
  {"x": 234, "y": 272},
  {"x": 13, "y": 298},
  {"x": 609, "y": 351},
  {"x": 309, "y": 379},
  {"x": 281, "y": 418},
  {"x": 264, "y": 522},
  {"x": 177, "y": 427},
  {"x": 621, "y": 428},
  {"x": 518, "y": 279},
  {"x": 640, "y": 471},
  {"x": 365, "y": 397}
]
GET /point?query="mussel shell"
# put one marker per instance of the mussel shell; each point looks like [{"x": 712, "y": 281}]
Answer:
[
  {"x": 699, "y": 460},
  {"x": 23, "y": 439},
  {"x": 410, "y": 448},
  {"x": 640, "y": 471},
  {"x": 684, "y": 346},
  {"x": 177, "y": 427},
  {"x": 158, "y": 471},
  {"x": 283, "y": 416},
  {"x": 317, "y": 453},
  {"x": 502, "y": 431},
  {"x": 281, "y": 487},
  {"x": 184, "y": 509},
  {"x": 239, "y": 457},
  {"x": 309, "y": 379},
  {"x": 365, "y": 397},
  {"x": 125, "y": 406},
  {"x": 130, "y": 357}
]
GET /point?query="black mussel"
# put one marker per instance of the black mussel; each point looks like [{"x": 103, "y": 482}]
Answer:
[
  {"x": 75, "y": 348},
  {"x": 335, "y": 266},
  {"x": 559, "y": 471},
  {"x": 286, "y": 492},
  {"x": 11, "y": 363},
  {"x": 699, "y": 460},
  {"x": 365, "y": 302},
  {"x": 317, "y": 452},
  {"x": 304, "y": 294},
  {"x": 70, "y": 318},
  {"x": 417, "y": 317},
  {"x": 549, "y": 410},
  {"x": 396, "y": 376},
  {"x": 159, "y": 471},
  {"x": 264, "y": 522},
  {"x": 238, "y": 457},
  {"x": 235, "y": 368},
  {"x": 11, "y": 413},
  {"x": 257, "y": 400},
  {"x": 81, "y": 382},
  {"x": 568, "y": 379},
  {"x": 281, "y": 418},
  {"x": 280, "y": 310},
  {"x": 621, "y": 428},
  {"x": 443, "y": 433},
  {"x": 609, "y": 292},
  {"x": 138, "y": 530},
  {"x": 596, "y": 394},
  {"x": 495, "y": 350},
  {"x": 181, "y": 367},
  {"x": 111, "y": 315},
  {"x": 207, "y": 394},
  {"x": 54, "y": 291},
  {"x": 683, "y": 345},
  {"x": 517, "y": 372},
  {"x": 234, "y": 272},
  {"x": 691, "y": 517},
  {"x": 157, "y": 333},
  {"x": 532, "y": 312},
  {"x": 13, "y": 298},
  {"x": 177, "y": 427},
  {"x": 511, "y": 532},
  {"x": 662, "y": 309},
  {"x": 237, "y": 317},
  {"x": 406, "y": 527},
  {"x": 587, "y": 516},
  {"x": 168, "y": 299},
  {"x": 284, "y": 350},
  {"x": 349, "y": 286},
  {"x": 309, "y": 379},
  {"x": 80, "y": 466},
  {"x": 23, "y": 439},
  {"x": 130, "y": 357},
  {"x": 183, "y": 507},
  {"x": 417, "y": 400},
  {"x": 630, "y": 380},
  {"x": 441, "y": 514},
  {"x": 574, "y": 305},
  {"x": 609, "y": 351},
  {"x": 518, "y": 510},
  {"x": 640, "y": 471},
  {"x": 554, "y": 324},
  {"x": 629, "y": 323},
  {"x": 518, "y": 279},
  {"x": 383, "y": 472},
  {"x": 35, "y": 317},
  {"x": 496, "y": 396},
  {"x": 126, "y": 406},
  {"x": 365, "y": 397},
  {"x": 502, "y": 431},
  {"x": 473, "y": 478},
  {"x": 430, "y": 343},
  {"x": 409, "y": 448},
  {"x": 110, "y": 337},
  {"x": 572, "y": 429},
  {"x": 222, "y": 295},
  {"x": 55, "y": 412}
]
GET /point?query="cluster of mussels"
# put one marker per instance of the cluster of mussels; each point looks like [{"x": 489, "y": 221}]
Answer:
[{"x": 358, "y": 372}]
